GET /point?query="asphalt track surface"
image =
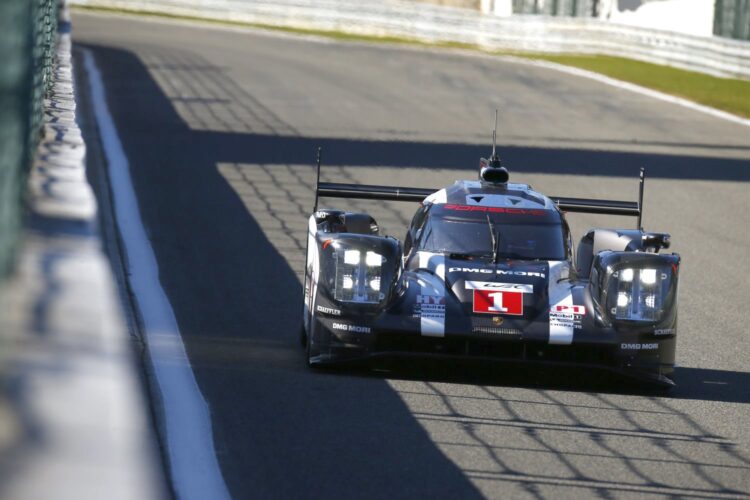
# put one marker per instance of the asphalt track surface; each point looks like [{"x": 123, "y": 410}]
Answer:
[{"x": 220, "y": 128}]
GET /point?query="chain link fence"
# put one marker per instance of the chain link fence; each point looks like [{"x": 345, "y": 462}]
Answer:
[{"x": 27, "y": 39}]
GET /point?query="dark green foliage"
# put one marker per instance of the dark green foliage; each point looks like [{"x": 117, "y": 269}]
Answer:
[
  {"x": 732, "y": 19},
  {"x": 28, "y": 31}
]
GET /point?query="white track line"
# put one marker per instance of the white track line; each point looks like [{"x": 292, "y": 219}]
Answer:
[{"x": 194, "y": 469}]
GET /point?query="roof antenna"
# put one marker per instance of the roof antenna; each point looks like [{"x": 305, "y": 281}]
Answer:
[
  {"x": 494, "y": 160},
  {"x": 491, "y": 170},
  {"x": 641, "y": 182},
  {"x": 317, "y": 179}
]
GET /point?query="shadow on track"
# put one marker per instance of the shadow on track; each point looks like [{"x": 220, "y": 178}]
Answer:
[
  {"x": 699, "y": 384},
  {"x": 280, "y": 432},
  {"x": 712, "y": 385},
  {"x": 364, "y": 153},
  {"x": 284, "y": 146},
  {"x": 649, "y": 436}
]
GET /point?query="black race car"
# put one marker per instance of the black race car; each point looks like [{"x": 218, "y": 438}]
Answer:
[{"x": 486, "y": 271}]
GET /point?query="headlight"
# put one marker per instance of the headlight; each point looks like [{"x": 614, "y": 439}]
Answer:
[
  {"x": 351, "y": 257},
  {"x": 357, "y": 279},
  {"x": 638, "y": 294},
  {"x": 635, "y": 287}
]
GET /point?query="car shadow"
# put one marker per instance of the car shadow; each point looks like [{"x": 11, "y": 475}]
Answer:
[{"x": 699, "y": 384}]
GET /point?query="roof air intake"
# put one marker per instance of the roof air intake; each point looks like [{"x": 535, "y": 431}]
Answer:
[{"x": 493, "y": 175}]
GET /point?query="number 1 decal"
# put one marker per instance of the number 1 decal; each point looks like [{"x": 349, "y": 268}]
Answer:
[
  {"x": 497, "y": 302},
  {"x": 494, "y": 302}
]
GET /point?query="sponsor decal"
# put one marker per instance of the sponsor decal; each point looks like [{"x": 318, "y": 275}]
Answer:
[
  {"x": 351, "y": 328},
  {"x": 430, "y": 306},
  {"x": 430, "y": 299},
  {"x": 564, "y": 320},
  {"x": 664, "y": 331},
  {"x": 638, "y": 346},
  {"x": 489, "y": 285},
  {"x": 328, "y": 310},
  {"x": 566, "y": 316},
  {"x": 496, "y": 210},
  {"x": 569, "y": 309},
  {"x": 469, "y": 270},
  {"x": 498, "y": 272}
]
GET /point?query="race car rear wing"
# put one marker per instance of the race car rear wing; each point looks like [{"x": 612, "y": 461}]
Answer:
[{"x": 393, "y": 193}]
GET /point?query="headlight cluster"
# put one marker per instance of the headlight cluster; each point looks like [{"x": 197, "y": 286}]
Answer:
[
  {"x": 638, "y": 294},
  {"x": 358, "y": 276}
]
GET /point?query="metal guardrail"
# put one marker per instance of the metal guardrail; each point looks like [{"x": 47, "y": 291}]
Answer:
[
  {"x": 712, "y": 55},
  {"x": 27, "y": 39}
]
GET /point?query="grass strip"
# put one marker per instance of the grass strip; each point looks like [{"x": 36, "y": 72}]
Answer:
[{"x": 727, "y": 94}]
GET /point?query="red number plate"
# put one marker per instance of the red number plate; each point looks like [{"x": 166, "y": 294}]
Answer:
[{"x": 496, "y": 302}]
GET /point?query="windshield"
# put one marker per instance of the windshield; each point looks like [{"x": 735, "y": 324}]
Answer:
[{"x": 472, "y": 238}]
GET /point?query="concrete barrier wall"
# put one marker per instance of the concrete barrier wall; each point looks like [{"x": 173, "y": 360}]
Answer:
[
  {"x": 713, "y": 55},
  {"x": 74, "y": 423}
]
